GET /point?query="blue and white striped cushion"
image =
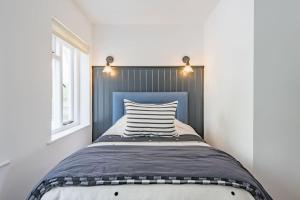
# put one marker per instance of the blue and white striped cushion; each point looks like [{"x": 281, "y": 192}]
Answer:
[{"x": 150, "y": 119}]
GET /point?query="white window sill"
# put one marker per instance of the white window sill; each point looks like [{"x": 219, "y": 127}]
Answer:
[{"x": 64, "y": 133}]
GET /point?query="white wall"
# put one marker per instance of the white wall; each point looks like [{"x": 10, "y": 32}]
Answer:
[
  {"x": 26, "y": 42},
  {"x": 148, "y": 44},
  {"x": 3, "y": 155},
  {"x": 3, "y": 149},
  {"x": 277, "y": 97},
  {"x": 229, "y": 78}
]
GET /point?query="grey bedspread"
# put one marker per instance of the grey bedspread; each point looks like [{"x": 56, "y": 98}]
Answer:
[{"x": 107, "y": 165}]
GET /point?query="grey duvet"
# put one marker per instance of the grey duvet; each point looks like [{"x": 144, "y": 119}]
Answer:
[{"x": 115, "y": 165}]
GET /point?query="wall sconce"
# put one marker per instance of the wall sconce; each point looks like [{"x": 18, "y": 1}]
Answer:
[
  {"x": 187, "y": 68},
  {"x": 107, "y": 69}
]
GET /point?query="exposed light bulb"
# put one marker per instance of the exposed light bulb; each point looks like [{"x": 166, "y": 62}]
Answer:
[
  {"x": 188, "y": 69},
  {"x": 107, "y": 69}
]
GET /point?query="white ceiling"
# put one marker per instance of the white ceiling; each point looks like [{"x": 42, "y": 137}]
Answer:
[{"x": 146, "y": 11}]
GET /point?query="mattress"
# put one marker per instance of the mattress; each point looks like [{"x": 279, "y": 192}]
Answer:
[{"x": 147, "y": 192}]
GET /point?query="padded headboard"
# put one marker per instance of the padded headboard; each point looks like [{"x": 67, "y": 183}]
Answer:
[
  {"x": 150, "y": 97},
  {"x": 146, "y": 79}
]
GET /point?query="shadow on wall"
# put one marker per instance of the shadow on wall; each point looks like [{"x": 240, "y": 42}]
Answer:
[
  {"x": 218, "y": 138},
  {"x": 266, "y": 176},
  {"x": 18, "y": 178},
  {"x": 3, "y": 176}
]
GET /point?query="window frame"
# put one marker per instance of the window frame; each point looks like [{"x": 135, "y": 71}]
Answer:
[{"x": 75, "y": 84}]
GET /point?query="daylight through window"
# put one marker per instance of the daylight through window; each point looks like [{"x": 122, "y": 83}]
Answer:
[{"x": 65, "y": 84}]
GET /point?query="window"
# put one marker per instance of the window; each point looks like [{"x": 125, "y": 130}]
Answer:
[
  {"x": 65, "y": 85},
  {"x": 70, "y": 80}
]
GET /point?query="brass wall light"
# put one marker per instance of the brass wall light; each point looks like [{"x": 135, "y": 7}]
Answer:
[
  {"x": 107, "y": 69},
  {"x": 187, "y": 68}
]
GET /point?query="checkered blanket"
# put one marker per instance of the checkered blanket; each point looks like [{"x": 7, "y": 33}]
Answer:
[{"x": 115, "y": 165}]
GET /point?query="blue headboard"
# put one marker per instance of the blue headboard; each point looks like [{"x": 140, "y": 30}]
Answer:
[
  {"x": 150, "y": 97},
  {"x": 146, "y": 84}
]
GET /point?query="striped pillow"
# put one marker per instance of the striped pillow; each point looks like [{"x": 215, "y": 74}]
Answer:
[{"x": 150, "y": 119}]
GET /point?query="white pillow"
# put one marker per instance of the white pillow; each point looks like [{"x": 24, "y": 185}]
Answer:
[{"x": 119, "y": 128}]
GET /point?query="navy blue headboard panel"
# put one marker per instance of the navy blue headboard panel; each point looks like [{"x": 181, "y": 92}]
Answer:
[
  {"x": 145, "y": 79},
  {"x": 150, "y": 97}
]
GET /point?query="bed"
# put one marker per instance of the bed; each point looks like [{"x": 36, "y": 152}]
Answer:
[{"x": 181, "y": 166}]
